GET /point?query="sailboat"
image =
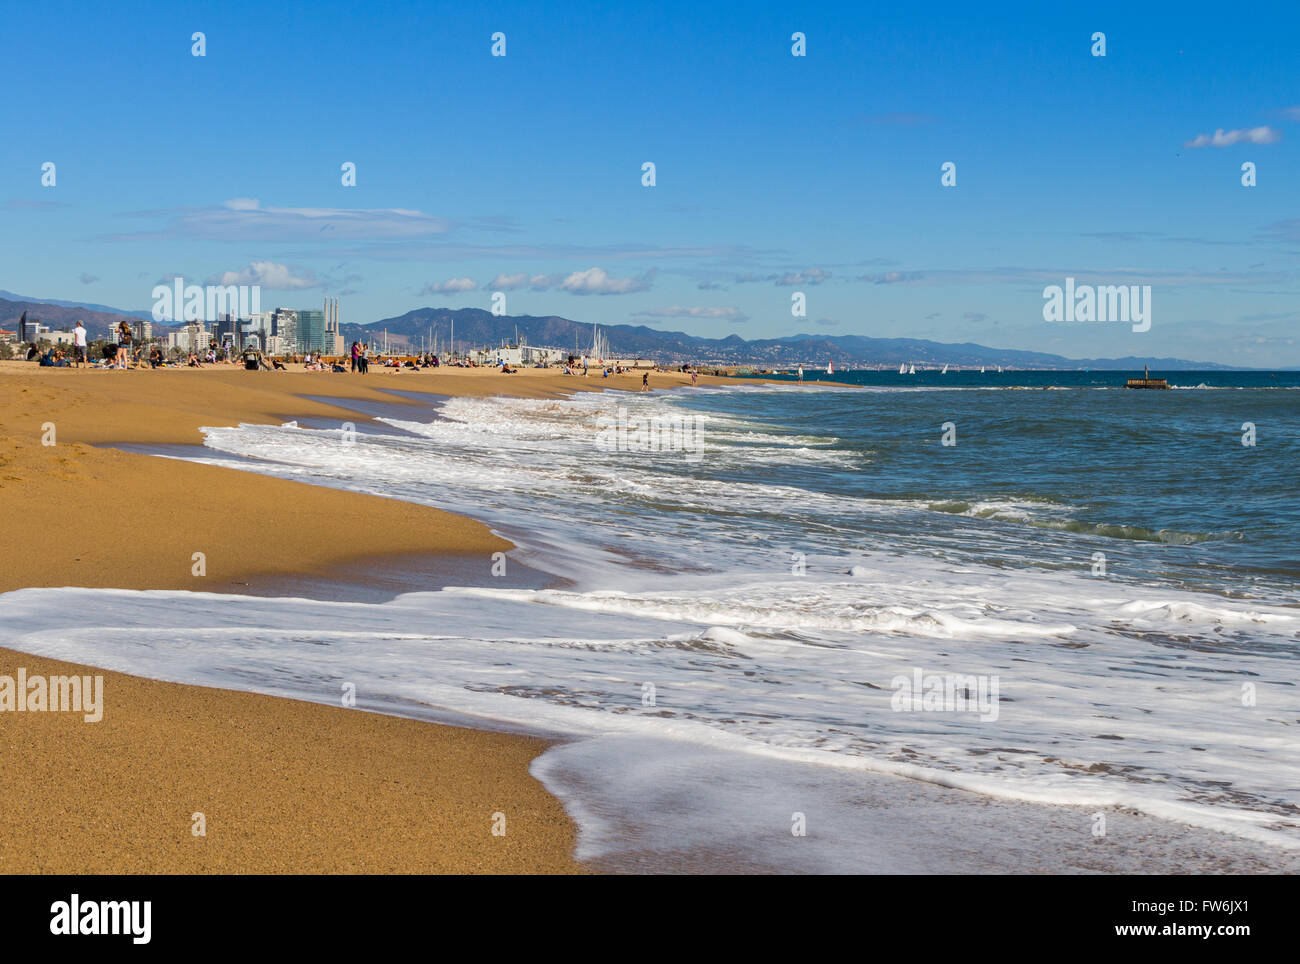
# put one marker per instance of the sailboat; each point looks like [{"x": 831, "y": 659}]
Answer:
[
  {"x": 945, "y": 370},
  {"x": 999, "y": 369},
  {"x": 981, "y": 369},
  {"x": 911, "y": 369},
  {"x": 830, "y": 368},
  {"x": 902, "y": 369}
]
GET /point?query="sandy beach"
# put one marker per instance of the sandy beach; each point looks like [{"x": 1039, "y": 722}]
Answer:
[{"x": 285, "y": 786}]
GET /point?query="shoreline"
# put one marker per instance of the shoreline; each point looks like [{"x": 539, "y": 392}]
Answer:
[
  {"x": 893, "y": 800},
  {"x": 284, "y": 778}
]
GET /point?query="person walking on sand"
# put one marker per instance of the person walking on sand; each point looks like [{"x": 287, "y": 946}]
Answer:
[
  {"x": 79, "y": 345},
  {"x": 645, "y": 381}
]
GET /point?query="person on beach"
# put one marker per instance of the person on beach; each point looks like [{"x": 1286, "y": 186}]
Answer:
[
  {"x": 79, "y": 345},
  {"x": 695, "y": 377},
  {"x": 123, "y": 344},
  {"x": 645, "y": 381},
  {"x": 356, "y": 350}
]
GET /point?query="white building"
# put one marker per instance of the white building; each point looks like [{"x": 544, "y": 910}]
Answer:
[
  {"x": 526, "y": 355},
  {"x": 193, "y": 337}
]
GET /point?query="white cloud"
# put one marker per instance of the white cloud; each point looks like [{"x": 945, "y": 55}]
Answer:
[
  {"x": 1222, "y": 138},
  {"x": 245, "y": 219},
  {"x": 452, "y": 286},
  {"x": 809, "y": 276},
  {"x": 507, "y": 282},
  {"x": 594, "y": 281},
  {"x": 268, "y": 274}
]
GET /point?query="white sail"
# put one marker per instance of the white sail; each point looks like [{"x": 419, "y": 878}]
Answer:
[
  {"x": 981, "y": 369},
  {"x": 902, "y": 369},
  {"x": 830, "y": 368},
  {"x": 911, "y": 369},
  {"x": 945, "y": 370}
]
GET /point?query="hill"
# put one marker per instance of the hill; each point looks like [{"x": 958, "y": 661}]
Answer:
[{"x": 477, "y": 327}]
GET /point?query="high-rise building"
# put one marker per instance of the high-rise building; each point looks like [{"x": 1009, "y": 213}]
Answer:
[
  {"x": 284, "y": 326},
  {"x": 311, "y": 332}
]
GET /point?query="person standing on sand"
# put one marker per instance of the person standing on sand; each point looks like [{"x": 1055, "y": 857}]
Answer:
[
  {"x": 79, "y": 344},
  {"x": 123, "y": 345},
  {"x": 645, "y": 381},
  {"x": 695, "y": 376}
]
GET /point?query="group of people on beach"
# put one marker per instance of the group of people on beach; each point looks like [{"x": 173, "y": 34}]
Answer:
[
  {"x": 125, "y": 353},
  {"x": 56, "y": 357},
  {"x": 360, "y": 355}
]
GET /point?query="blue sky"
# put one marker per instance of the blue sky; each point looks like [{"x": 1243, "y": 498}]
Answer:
[{"x": 775, "y": 173}]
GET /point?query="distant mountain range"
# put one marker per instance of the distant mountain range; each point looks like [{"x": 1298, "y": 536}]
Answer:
[
  {"x": 61, "y": 316},
  {"x": 476, "y": 327},
  {"x": 47, "y": 316}
]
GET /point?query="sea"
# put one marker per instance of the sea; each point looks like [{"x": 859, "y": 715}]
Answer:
[{"x": 747, "y": 612}]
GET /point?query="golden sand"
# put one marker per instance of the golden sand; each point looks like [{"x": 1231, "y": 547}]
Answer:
[{"x": 285, "y": 786}]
